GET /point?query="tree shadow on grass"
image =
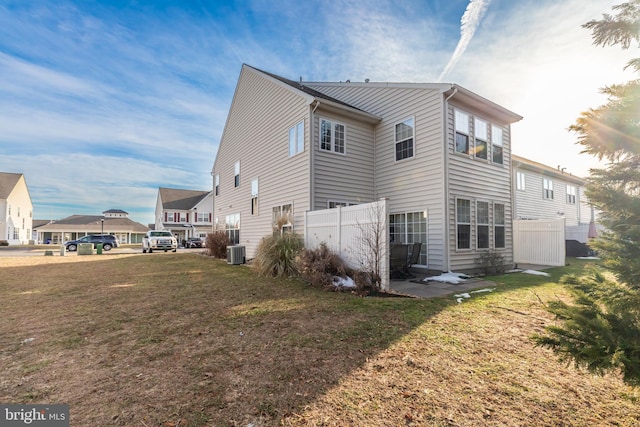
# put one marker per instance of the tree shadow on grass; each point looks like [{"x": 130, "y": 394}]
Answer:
[{"x": 177, "y": 339}]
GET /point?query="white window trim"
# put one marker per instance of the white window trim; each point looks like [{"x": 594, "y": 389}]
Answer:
[
  {"x": 461, "y": 131},
  {"x": 332, "y": 148},
  {"x": 503, "y": 225},
  {"x": 396, "y": 142},
  {"x": 547, "y": 186},
  {"x": 521, "y": 181},
  {"x": 296, "y": 148},
  {"x": 470, "y": 224},
  {"x": 485, "y": 224}
]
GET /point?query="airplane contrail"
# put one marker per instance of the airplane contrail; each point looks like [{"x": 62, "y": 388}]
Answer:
[{"x": 468, "y": 24}]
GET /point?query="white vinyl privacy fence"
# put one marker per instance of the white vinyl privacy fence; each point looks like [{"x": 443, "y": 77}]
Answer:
[
  {"x": 539, "y": 242},
  {"x": 357, "y": 233}
]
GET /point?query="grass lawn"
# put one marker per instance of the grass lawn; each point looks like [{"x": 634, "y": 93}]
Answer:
[{"x": 185, "y": 340}]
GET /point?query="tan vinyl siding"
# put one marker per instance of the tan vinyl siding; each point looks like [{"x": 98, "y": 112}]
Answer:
[
  {"x": 344, "y": 177},
  {"x": 256, "y": 134},
  {"x": 531, "y": 204},
  {"x": 414, "y": 184},
  {"x": 478, "y": 180}
]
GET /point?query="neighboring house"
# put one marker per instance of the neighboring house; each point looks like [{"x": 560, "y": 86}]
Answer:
[
  {"x": 113, "y": 221},
  {"x": 16, "y": 209},
  {"x": 186, "y": 213},
  {"x": 544, "y": 192},
  {"x": 440, "y": 153}
]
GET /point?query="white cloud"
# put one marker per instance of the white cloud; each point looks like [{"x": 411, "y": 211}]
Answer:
[{"x": 468, "y": 25}]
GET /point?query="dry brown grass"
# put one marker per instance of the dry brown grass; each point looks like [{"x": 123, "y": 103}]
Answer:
[{"x": 185, "y": 340}]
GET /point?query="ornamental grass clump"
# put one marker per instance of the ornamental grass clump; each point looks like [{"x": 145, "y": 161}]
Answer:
[{"x": 276, "y": 255}]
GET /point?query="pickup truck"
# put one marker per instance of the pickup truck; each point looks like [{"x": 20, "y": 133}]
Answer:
[{"x": 159, "y": 240}]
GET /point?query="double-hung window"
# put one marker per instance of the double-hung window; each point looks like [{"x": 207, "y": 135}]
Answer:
[
  {"x": 254, "y": 197},
  {"x": 480, "y": 134},
  {"x": 404, "y": 139},
  {"x": 236, "y": 174},
  {"x": 283, "y": 218},
  {"x": 497, "y": 144},
  {"x": 217, "y": 184},
  {"x": 571, "y": 194},
  {"x": 547, "y": 188},
  {"x": 232, "y": 228},
  {"x": 332, "y": 136},
  {"x": 463, "y": 223},
  {"x": 482, "y": 225},
  {"x": 498, "y": 226},
  {"x": 462, "y": 132},
  {"x": 520, "y": 181},
  {"x": 296, "y": 139}
]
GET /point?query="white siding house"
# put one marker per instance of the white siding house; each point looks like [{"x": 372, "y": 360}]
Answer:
[
  {"x": 186, "y": 213},
  {"x": 16, "y": 209},
  {"x": 362, "y": 142}
]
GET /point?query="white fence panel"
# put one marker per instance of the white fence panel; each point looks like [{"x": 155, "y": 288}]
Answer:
[
  {"x": 539, "y": 242},
  {"x": 354, "y": 232}
]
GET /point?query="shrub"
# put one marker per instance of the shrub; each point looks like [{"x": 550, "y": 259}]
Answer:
[
  {"x": 319, "y": 266},
  {"x": 276, "y": 255},
  {"x": 4, "y": 243},
  {"x": 491, "y": 262},
  {"x": 217, "y": 243}
]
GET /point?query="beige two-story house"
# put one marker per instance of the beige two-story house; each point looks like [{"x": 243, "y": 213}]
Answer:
[{"x": 439, "y": 153}]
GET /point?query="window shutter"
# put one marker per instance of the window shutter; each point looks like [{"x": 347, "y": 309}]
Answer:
[
  {"x": 166, "y": 214},
  {"x": 209, "y": 217},
  {"x": 187, "y": 216}
]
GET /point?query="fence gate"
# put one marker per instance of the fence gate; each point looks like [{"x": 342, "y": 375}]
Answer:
[{"x": 539, "y": 242}]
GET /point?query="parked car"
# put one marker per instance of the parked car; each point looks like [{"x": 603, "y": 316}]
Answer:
[
  {"x": 160, "y": 240},
  {"x": 108, "y": 241},
  {"x": 194, "y": 242}
]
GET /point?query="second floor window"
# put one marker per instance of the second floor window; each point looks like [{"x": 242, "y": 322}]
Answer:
[
  {"x": 520, "y": 181},
  {"x": 236, "y": 173},
  {"x": 462, "y": 132},
  {"x": 547, "y": 188},
  {"x": 480, "y": 133},
  {"x": 296, "y": 139},
  {"x": 217, "y": 185},
  {"x": 497, "y": 144},
  {"x": 332, "y": 136},
  {"x": 404, "y": 139},
  {"x": 571, "y": 194}
]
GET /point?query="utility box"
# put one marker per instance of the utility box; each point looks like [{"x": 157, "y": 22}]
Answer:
[
  {"x": 63, "y": 250},
  {"x": 99, "y": 248},
  {"x": 85, "y": 248},
  {"x": 235, "y": 254}
]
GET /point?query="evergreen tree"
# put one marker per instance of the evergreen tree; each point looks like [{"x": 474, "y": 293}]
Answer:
[{"x": 601, "y": 329}]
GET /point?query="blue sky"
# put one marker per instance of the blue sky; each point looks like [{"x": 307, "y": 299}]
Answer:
[{"x": 103, "y": 102}]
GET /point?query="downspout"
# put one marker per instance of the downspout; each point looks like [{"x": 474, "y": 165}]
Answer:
[
  {"x": 447, "y": 228},
  {"x": 312, "y": 193}
]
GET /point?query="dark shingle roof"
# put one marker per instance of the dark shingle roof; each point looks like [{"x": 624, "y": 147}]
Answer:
[
  {"x": 115, "y": 211},
  {"x": 173, "y": 198},
  {"x": 307, "y": 90},
  {"x": 8, "y": 182}
]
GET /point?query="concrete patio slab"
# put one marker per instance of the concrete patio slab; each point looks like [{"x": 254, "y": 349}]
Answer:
[{"x": 433, "y": 289}]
